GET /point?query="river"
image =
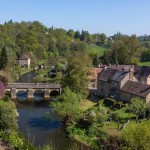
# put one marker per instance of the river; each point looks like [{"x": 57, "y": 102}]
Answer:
[{"x": 37, "y": 121}]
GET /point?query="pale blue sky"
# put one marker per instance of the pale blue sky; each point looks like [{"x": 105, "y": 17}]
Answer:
[{"x": 96, "y": 16}]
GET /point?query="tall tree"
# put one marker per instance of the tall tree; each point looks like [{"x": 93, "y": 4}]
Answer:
[
  {"x": 3, "y": 83},
  {"x": 126, "y": 50},
  {"x": 71, "y": 33},
  {"x": 76, "y": 75},
  {"x": 77, "y": 35},
  {"x": 70, "y": 103},
  {"x": 138, "y": 107},
  {"x": 3, "y": 59}
]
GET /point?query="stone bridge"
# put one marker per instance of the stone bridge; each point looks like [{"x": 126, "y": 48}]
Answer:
[{"x": 47, "y": 88}]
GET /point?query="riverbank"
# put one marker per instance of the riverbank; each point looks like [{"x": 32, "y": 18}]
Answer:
[
  {"x": 3, "y": 146},
  {"x": 9, "y": 131}
]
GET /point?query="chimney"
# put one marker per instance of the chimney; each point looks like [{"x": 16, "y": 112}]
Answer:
[{"x": 131, "y": 73}]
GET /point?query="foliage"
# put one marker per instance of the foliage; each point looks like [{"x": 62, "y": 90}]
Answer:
[
  {"x": 16, "y": 140},
  {"x": 76, "y": 75},
  {"x": 124, "y": 50},
  {"x": 67, "y": 106},
  {"x": 3, "y": 59},
  {"x": 8, "y": 115},
  {"x": 137, "y": 136},
  {"x": 145, "y": 56},
  {"x": 8, "y": 125},
  {"x": 109, "y": 102},
  {"x": 138, "y": 107}
]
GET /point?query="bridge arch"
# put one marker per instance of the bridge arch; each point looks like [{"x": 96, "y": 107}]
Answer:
[
  {"x": 32, "y": 89},
  {"x": 38, "y": 95},
  {"x": 54, "y": 93},
  {"x": 22, "y": 95}
]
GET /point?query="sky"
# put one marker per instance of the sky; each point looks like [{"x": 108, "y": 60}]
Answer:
[{"x": 96, "y": 16}]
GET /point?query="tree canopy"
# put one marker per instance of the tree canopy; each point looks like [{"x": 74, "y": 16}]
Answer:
[{"x": 67, "y": 105}]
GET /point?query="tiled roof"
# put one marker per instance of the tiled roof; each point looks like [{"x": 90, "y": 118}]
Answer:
[
  {"x": 107, "y": 74},
  {"x": 121, "y": 67},
  {"x": 136, "y": 88},
  {"x": 119, "y": 75},
  {"x": 94, "y": 73},
  {"x": 143, "y": 71},
  {"x": 24, "y": 57}
]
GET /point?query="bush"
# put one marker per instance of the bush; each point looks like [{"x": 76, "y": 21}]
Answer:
[
  {"x": 118, "y": 105},
  {"x": 8, "y": 115},
  {"x": 108, "y": 102},
  {"x": 137, "y": 136},
  {"x": 15, "y": 139}
]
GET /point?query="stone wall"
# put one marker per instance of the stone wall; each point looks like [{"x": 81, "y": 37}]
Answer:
[
  {"x": 103, "y": 88},
  {"x": 148, "y": 98},
  {"x": 125, "y": 97},
  {"x": 124, "y": 80}
]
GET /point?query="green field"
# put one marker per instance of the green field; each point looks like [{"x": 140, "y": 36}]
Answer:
[
  {"x": 147, "y": 63},
  {"x": 99, "y": 50}
]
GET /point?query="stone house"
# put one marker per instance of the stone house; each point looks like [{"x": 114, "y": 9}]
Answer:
[
  {"x": 111, "y": 80},
  {"x": 93, "y": 73},
  {"x": 124, "y": 82},
  {"x": 24, "y": 61},
  {"x": 142, "y": 74},
  {"x": 135, "y": 89}
]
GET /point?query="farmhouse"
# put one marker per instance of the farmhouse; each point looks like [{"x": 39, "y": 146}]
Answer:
[
  {"x": 24, "y": 61},
  {"x": 133, "y": 89},
  {"x": 122, "y": 82}
]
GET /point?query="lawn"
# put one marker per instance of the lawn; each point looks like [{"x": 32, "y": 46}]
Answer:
[
  {"x": 99, "y": 50},
  {"x": 86, "y": 104},
  {"x": 147, "y": 63}
]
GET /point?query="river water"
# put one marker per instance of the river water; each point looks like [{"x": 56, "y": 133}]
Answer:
[{"x": 37, "y": 121}]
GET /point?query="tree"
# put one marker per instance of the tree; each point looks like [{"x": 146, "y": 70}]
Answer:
[
  {"x": 76, "y": 75},
  {"x": 126, "y": 50},
  {"x": 138, "y": 107},
  {"x": 8, "y": 115},
  {"x": 77, "y": 35},
  {"x": 137, "y": 136},
  {"x": 67, "y": 106},
  {"x": 103, "y": 38},
  {"x": 71, "y": 33},
  {"x": 3, "y": 59},
  {"x": 115, "y": 117},
  {"x": 3, "y": 83}
]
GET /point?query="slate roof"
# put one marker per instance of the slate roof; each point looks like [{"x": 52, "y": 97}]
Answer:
[
  {"x": 136, "y": 88},
  {"x": 107, "y": 74},
  {"x": 119, "y": 75},
  {"x": 121, "y": 67},
  {"x": 112, "y": 74},
  {"x": 143, "y": 71},
  {"x": 24, "y": 57}
]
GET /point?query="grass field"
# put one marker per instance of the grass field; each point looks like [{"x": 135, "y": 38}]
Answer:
[
  {"x": 86, "y": 104},
  {"x": 99, "y": 50},
  {"x": 147, "y": 63}
]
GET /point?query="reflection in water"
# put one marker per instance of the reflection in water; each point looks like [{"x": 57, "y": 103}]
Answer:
[
  {"x": 22, "y": 96},
  {"x": 40, "y": 121},
  {"x": 38, "y": 95}
]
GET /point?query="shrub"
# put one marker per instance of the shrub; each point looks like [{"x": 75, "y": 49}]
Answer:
[
  {"x": 108, "y": 102},
  {"x": 8, "y": 114},
  {"x": 137, "y": 136},
  {"x": 118, "y": 105}
]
